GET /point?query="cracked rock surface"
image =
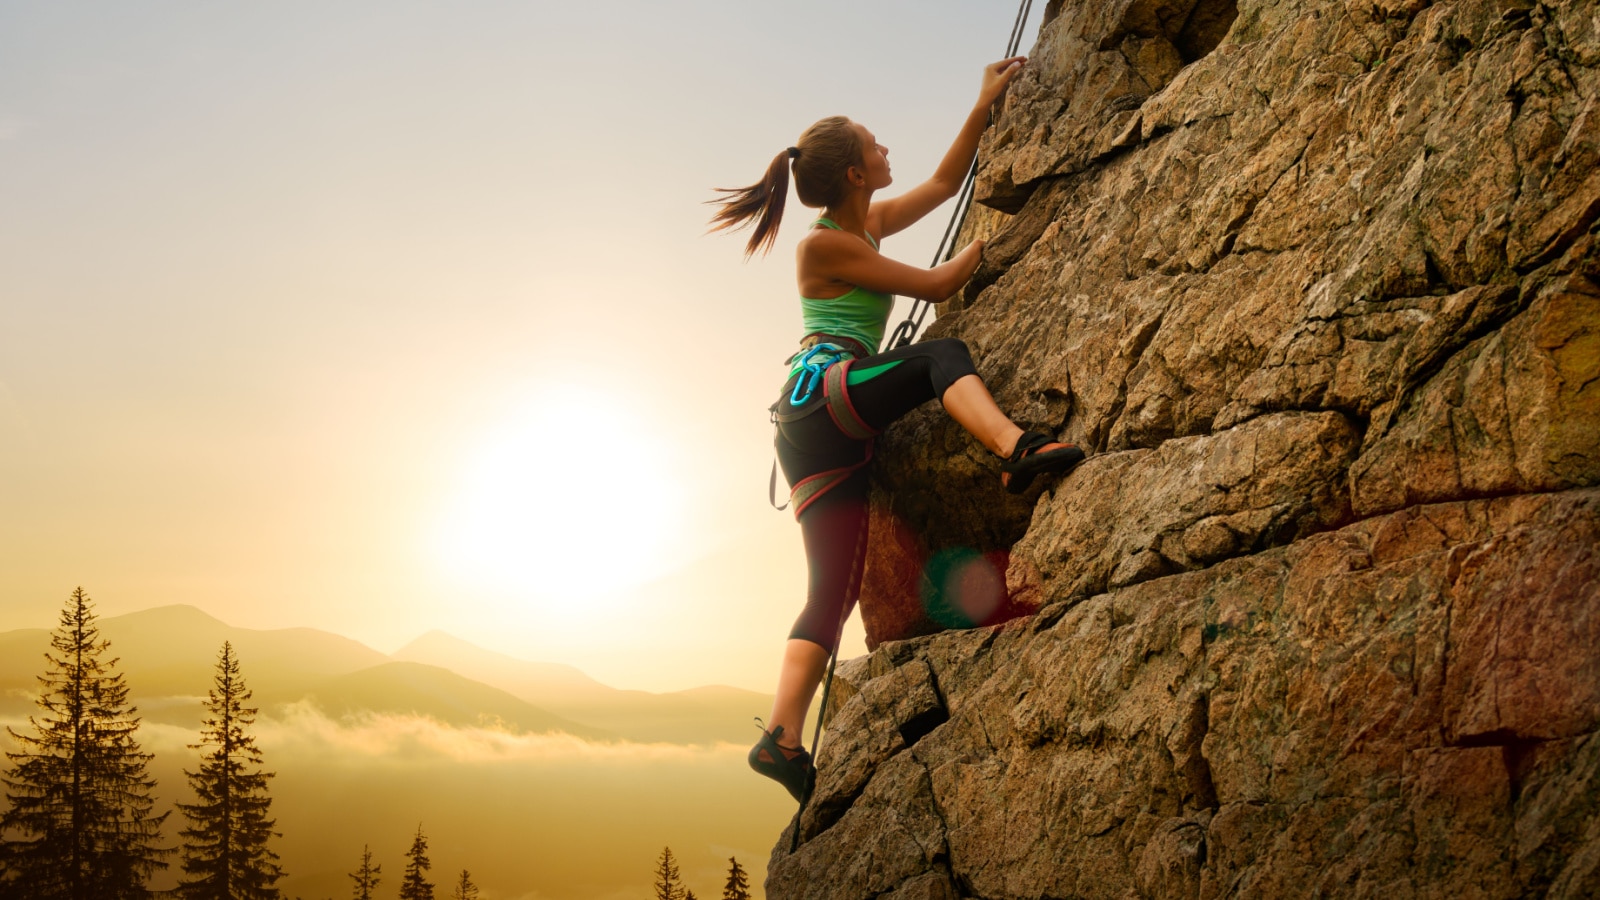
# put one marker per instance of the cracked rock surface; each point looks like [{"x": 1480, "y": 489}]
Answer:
[
  {"x": 1384, "y": 211},
  {"x": 1317, "y": 285},
  {"x": 1408, "y": 706}
]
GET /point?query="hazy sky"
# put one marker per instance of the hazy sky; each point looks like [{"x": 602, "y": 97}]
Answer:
[{"x": 388, "y": 317}]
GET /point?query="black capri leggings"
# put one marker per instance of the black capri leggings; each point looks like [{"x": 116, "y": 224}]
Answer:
[{"x": 834, "y": 524}]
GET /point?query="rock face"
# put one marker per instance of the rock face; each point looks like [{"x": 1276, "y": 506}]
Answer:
[
  {"x": 1317, "y": 284},
  {"x": 1406, "y": 706}
]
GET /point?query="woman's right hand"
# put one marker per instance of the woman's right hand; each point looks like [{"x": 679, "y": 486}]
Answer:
[
  {"x": 970, "y": 256},
  {"x": 847, "y": 259},
  {"x": 957, "y": 271},
  {"x": 997, "y": 77}
]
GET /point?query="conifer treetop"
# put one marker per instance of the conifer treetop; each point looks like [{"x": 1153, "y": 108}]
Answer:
[
  {"x": 414, "y": 884},
  {"x": 79, "y": 820},
  {"x": 465, "y": 889},
  {"x": 667, "y": 885},
  {"x": 366, "y": 877},
  {"x": 226, "y": 852},
  {"x": 738, "y": 886}
]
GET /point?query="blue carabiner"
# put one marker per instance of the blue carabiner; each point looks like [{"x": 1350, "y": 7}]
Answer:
[{"x": 811, "y": 371}]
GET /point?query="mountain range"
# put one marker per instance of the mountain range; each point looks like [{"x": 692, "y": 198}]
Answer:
[{"x": 168, "y": 655}]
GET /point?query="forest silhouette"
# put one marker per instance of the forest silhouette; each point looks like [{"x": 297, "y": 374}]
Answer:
[{"x": 234, "y": 779}]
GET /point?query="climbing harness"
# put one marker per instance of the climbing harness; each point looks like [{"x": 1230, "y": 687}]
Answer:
[
  {"x": 906, "y": 331},
  {"x": 828, "y": 363}
]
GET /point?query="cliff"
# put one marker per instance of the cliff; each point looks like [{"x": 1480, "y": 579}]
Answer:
[{"x": 1316, "y": 283}]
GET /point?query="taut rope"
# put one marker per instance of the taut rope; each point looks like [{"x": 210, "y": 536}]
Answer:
[{"x": 907, "y": 330}]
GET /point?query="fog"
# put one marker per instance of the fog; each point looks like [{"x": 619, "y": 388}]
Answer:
[{"x": 531, "y": 816}]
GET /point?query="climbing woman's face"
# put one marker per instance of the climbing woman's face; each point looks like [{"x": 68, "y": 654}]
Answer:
[{"x": 875, "y": 160}]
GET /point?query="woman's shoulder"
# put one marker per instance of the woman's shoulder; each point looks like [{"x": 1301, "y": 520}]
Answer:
[
  {"x": 824, "y": 258},
  {"x": 821, "y": 251},
  {"x": 822, "y": 237}
]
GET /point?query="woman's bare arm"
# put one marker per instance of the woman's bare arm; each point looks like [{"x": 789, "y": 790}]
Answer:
[
  {"x": 899, "y": 213},
  {"x": 846, "y": 260}
]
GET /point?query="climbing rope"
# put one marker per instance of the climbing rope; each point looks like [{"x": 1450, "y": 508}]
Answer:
[{"x": 906, "y": 331}]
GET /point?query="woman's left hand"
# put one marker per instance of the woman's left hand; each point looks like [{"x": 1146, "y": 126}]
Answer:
[{"x": 996, "y": 77}]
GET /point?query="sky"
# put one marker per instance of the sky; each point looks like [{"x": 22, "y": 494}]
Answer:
[{"x": 383, "y": 318}]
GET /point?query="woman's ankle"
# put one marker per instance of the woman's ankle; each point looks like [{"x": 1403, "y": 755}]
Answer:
[
  {"x": 1005, "y": 443},
  {"x": 784, "y": 736}
]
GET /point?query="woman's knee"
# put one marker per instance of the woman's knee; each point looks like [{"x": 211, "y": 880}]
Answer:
[
  {"x": 952, "y": 362},
  {"x": 805, "y": 630}
]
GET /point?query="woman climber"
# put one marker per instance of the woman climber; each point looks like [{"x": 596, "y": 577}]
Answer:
[{"x": 846, "y": 289}]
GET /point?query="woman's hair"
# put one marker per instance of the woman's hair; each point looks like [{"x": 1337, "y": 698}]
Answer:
[{"x": 820, "y": 159}]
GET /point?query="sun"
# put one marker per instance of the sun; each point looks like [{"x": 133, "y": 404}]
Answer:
[{"x": 569, "y": 498}]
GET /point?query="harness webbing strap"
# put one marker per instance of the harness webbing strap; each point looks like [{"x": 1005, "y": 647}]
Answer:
[
  {"x": 772, "y": 488},
  {"x": 808, "y": 490},
  {"x": 835, "y": 388}
]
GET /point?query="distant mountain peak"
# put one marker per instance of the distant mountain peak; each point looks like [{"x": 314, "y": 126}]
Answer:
[
  {"x": 443, "y": 649},
  {"x": 173, "y": 614},
  {"x": 436, "y": 639}
]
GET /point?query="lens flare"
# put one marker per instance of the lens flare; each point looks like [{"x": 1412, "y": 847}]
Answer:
[{"x": 962, "y": 588}]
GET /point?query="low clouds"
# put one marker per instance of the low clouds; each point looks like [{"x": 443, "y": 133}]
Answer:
[
  {"x": 303, "y": 731},
  {"x": 534, "y": 816}
]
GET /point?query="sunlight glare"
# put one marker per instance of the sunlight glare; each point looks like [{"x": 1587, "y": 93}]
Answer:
[{"x": 573, "y": 497}]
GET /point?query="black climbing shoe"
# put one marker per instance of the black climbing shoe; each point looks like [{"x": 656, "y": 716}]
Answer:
[
  {"x": 1035, "y": 455},
  {"x": 795, "y": 772}
]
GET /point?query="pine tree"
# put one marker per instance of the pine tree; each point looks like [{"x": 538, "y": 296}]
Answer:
[
  {"x": 80, "y": 794},
  {"x": 366, "y": 877},
  {"x": 7, "y": 885},
  {"x": 667, "y": 886},
  {"x": 414, "y": 884},
  {"x": 465, "y": 889},
  {"x": 738, "y": 886},
  {"x": 225, "y": 850},
  {"x": 689, "y": 895}
]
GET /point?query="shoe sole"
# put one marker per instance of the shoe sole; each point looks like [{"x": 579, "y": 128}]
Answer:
[{"x": 1042, "y": 463}]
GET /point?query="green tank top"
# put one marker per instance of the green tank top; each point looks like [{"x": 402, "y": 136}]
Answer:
[{"x": 860, "y": 314}]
